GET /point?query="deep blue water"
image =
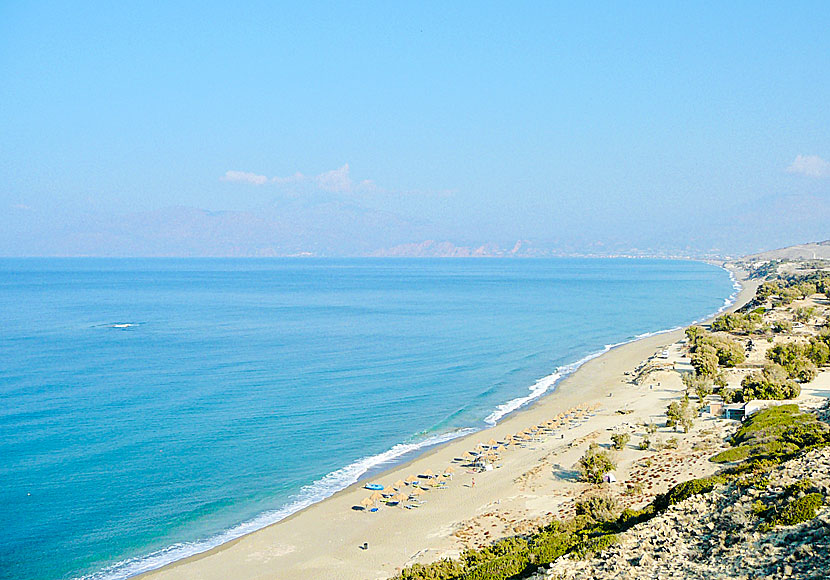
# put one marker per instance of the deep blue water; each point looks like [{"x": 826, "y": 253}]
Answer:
[{"x": 244, "y": 389}]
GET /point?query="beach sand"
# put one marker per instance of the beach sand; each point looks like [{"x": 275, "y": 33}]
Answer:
[{"x": 532, "y": 484}]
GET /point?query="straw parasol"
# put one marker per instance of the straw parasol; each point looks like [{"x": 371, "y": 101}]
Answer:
[
  {"x": 411, "y": 479},
  {"x": 492, "y": 443},
  {"x": 428, "y": 473},
  {"x": 398, "y": 484},
  {"x": 418, "y": 491},
  {"x": 367, "y": 503},
  {"x": 400, "y": 497},
  {"x": 377, "y": 496},
  {"x": 449, "y": 469}
]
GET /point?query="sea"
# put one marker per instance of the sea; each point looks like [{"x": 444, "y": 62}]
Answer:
[{"x": 151, "y": 409}]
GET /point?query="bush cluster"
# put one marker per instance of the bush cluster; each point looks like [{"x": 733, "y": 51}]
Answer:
[
  {"x": 801, "y": 360},
  {"x": 710, "y": 351},
  {"x": 772, "y": 383},
  {"x": 738, "y": 322}
]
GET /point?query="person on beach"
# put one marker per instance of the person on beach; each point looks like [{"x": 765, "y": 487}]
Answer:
[{"x": 473, "y": 484}]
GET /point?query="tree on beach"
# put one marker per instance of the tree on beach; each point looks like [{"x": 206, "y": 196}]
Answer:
[
  {"x": 705, "y": 361},
  {"x": 701, "y": 386},
  {"x": 681, "y": 413},
  {"x": 596, "y": 463}
]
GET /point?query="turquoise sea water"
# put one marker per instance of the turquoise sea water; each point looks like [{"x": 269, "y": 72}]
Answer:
[{"x": 150, "y": 409}]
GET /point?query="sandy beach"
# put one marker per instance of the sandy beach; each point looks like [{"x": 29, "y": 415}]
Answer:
[{"x": 531, "y": 483}]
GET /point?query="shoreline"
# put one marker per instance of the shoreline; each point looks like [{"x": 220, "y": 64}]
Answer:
[{"x": 562, "y": 390}]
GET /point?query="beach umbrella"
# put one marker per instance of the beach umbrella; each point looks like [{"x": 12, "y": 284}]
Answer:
[
  {"x": 418, "y": 491},
  {"x": 398, "y": 484},
  {"x": 367, "y": 503},
  {"x": 411, "y": 479},
  {"x": 377, "y": 496},
  {"x": 492, "y": 443},
  {"x": 468, "y": 455},
  {"x": 449, "y": 469},
  {"x": 428, "y": 473},
  {"x": 400, "y": 497}
]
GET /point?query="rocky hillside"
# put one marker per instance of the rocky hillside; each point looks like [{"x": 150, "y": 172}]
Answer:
[{"x": 741, "y": 530}]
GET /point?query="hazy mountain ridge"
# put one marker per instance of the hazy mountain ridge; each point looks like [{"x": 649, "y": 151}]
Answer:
[{"x": 334, "y": 226}]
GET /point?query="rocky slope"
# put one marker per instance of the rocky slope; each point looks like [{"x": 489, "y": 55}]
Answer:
[{"x": 723, "y": 534}]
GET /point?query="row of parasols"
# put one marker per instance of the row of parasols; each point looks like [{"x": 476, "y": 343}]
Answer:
[
  {"x": 419, "y": 485},
  {"x": 488, "y": 452}
]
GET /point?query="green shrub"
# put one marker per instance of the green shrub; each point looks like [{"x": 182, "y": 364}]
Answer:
[
  {"x": 594, "y": 545},
  {"x": 800, "y": 360},
  {"x": 645, "y": 443},
  {"x": 772, "y": 383},
  {"x": 499, "y": 568},
  {"x": 731, "y": 455},
  {"x": 548, "y": 546},
  {"x": 596, "y": 463},
  {"x": 620, "y": 440},
  {"x": 797, "y": 510},
  {"x": 600, "y": 508},
  {"x": 687, "y": 489}
]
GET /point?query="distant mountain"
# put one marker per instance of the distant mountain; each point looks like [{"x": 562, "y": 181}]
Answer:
[
  {"x": 290, "y": 227},
  {"x": 325, "y": 225},
  {"x": 815, "y": 251}
]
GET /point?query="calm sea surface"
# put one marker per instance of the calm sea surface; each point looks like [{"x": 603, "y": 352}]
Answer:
[{"x": 150, "y": 409}]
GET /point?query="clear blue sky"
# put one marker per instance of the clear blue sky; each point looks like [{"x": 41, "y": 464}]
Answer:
[{"x": 503, "y": 120}]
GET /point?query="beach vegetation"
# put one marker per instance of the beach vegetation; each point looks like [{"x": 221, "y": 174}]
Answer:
[
  {"x": 687, "y": 489},
  {"x": 804, "y": 314},
  {"x": 800, "y": 360},
  {"x": 780, "y": 326},
  {"x": 593, "y": 545},
  {"x": 798, "y": 503},
  {"x": 700, "y": 385},
  {"x": 620, "y": 440},
  {"x": 708, "y": 351},
  {"x": 645, "y": 444},
  {"x": 595, "y": 464},
  {"x": 737, "y": 322},
  {"x": 599, "y": 508},
  {"x": 705, "y": 361},
  {"x": 732, "y": 455},
  {"x": 774, "y": 434},
  {"x": 772, "y": 383},
  {"x": 681, "y": 414}
]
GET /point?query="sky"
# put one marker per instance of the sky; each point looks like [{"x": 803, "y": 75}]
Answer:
[{"x": 570, "y": 124}]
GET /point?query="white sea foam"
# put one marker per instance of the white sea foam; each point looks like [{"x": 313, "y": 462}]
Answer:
[{"x": 308, "y": 495}]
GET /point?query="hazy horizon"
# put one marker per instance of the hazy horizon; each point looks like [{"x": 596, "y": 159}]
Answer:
[{"x": 333, "y": 130}]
